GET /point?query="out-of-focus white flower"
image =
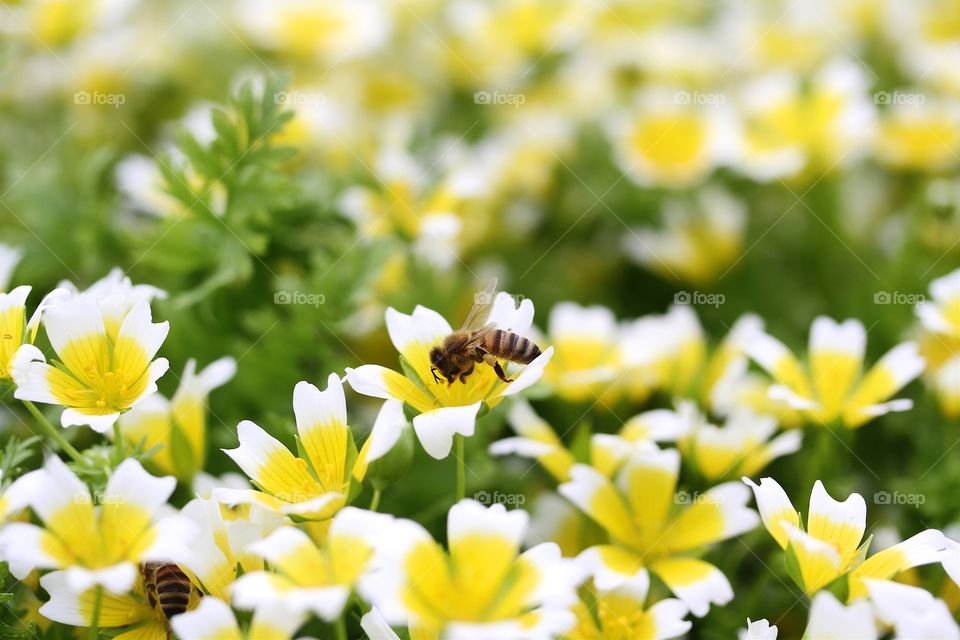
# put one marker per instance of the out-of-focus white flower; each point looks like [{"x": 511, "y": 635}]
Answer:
[
  {"x": 9, "y": 258},
  {"x": 786, "y": 127},
  {"x": 667, "y": 140},
  {"x": 482, "y": 586},
  {"x": 919, "y": 132},
  {"x": 585, "y": 350},
  {"x": 834, "y": 385},
  {"x": 743, "y": 445},
  {"x": 831, "y": 620},
  {"x": 698, "y": 240},
  {"x": 914, "y": 613},
  {"x": 332, "y": 30},
  {"x": 758, "y": 630}
]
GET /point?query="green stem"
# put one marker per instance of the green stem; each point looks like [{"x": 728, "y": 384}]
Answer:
[
  {"x": 93, "y": 633},
  {"x": 341, "y": 627},
  {"x": 118, "y": 440},
  {"x": 375, "y": 500},
  {"x": 461, "y": 468},
  {"x": 52, "y": 431}
]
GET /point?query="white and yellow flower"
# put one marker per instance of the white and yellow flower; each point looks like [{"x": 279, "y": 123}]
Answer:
[
  {"x": 645, "y": 531},
  {"x": 129, "y": 613},
  {"x": 585, "y": 350},
  {"x": 446, "y": 410},
  {"x": 663, "y": 352},
  {"x": 622, "y": 613},
  {"x": 667, "y": 141},
  {"x": 333, "y": 30},
  {"x": 14, "y": 328},
  {"x": 102, "y": 544},
  {"x": 829, "y": 548},
  {"x": 213, "y": 619},
  {"x": 833, "y": 387},
  {"x": 537, "y": 440},
  {"x": 482, "y": 587},
  {"x": 314, "y": 487},
  {"x": 788, "y": 127},
  {"x": 178, "y": 427},
  {"x": 921, "y": 135},
  {"x": 743, "y": 445},
  {"x": 698, "y": 242},
  {"x": 307, "y": 578},
  {"x": 100, "y": 371},
  {"x": 940, "y": 340},
  {"x": 9, "y": 259},
  {"x": 221, "y": 549}
]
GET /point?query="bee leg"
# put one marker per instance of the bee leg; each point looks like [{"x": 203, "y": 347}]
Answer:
[
  {"x": 463, "y": 376},
  {"x": 490, "y": 360}
]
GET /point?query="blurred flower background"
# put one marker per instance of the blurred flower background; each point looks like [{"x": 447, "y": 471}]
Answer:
[{"x": 738, "y": 223}]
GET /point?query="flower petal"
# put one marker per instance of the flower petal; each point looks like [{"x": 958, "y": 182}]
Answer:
[{"x": 435, "y": 429}]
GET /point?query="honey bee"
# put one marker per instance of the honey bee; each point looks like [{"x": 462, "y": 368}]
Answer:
[
  {"x": 168, "y": 586},
  {"x": 479, "y": 342}
]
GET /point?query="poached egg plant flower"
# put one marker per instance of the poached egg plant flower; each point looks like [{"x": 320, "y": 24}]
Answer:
[
  {"x": 213, "y": 619},
  {"x": 446, "y": 409},
  {"x": 636, "y": 508},
  {"x": 314, "y": 486},
  {"x": 96, "y": 544},
  {"x": 99, "y": 372},
  {"x": 482, "y": 587},
  {"x": 833, "y": 387},
  {"x": 830, "y": 547}
]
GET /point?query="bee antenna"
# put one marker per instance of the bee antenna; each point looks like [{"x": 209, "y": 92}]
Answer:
[{"x": 433, "y": 370}]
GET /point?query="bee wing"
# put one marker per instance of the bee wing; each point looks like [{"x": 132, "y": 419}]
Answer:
[
  {"x": 477, "y": 337},
  {"x": 482, "y": 302}
]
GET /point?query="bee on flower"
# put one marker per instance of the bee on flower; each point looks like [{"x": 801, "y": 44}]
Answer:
[
  {"x": 637, "y": 508},
  {"x": 480, "y": 586},
  {"x": 829, "y": 548},
  {"x": 450, "y": 406},
  {"x": 833, "y": 386},
  {"x": 699, "y": 240},
  {"x": 314, "y": 485},
  {"x": 178, "y": 427}
]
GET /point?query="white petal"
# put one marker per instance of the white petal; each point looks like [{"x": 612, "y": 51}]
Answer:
[
  {"x": 100, "y": 424},
  {"x": 22, "y": 546},
  {"x": 376, "y": 627},
  {"x": 131, "y": 484},
  {"x": 829, "y": 619},
  {"x": 435, "y": 429},
  {"x": 848, "y": 337},
  {"x": 138, "y": 325},
  {"x": 469, "y": 517},
  {"x": 507, "y": 315},
  {"x": 117, "y": 579},
  {"x": 424, "y": 326},
  {"x": 369, "y": 380},
  {"x": 529, "y": 375},
  {"x": 174, "y": 536},
  {"x": 212, "y": 618},
  {"x": 386, "y": 430},
  {"x": 314, "y": 408}
]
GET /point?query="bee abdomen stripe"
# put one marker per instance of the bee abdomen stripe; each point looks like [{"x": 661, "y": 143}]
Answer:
[
  {"x": 527, "y": 351},
  {"x": 495, "y": 345}
]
